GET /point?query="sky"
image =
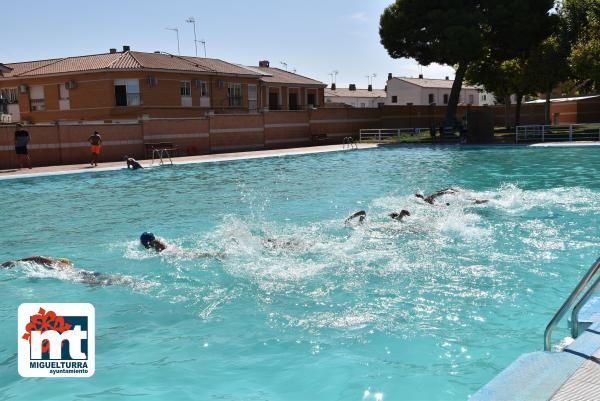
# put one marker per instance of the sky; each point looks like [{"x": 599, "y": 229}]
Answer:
[{"x": 313, "y": 37}]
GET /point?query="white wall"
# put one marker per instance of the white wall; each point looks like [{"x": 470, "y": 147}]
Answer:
[
  {"x": 370, "y": 102},
  {"x": 419, "y": 96}
]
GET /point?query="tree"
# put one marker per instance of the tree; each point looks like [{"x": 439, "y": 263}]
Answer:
[
  {"x": 462, "y": 32},
  {"x": 548, "y": 67},
  {"x": 503, "y": 78},
  {"x": 445, "y": 32},
  {"x": 581, "y": 26}
]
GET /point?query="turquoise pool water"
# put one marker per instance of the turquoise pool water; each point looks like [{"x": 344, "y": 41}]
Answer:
[{"x": 303, "y": 307}]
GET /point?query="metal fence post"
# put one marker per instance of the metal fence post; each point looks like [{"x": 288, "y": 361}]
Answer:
[
  {"x": 543, "y": 132},
  {"x": 571, "y": 133}
]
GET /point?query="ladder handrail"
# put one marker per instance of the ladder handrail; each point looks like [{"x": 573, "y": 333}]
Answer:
[
  {"x": 575, "y": 314},
  {"x": 568, "y": 303}
]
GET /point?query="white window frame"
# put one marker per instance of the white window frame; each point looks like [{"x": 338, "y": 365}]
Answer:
[
  {"x": 203, "y": 87},
  {"x": 234, "y": 94},
  {"x": 10, "y": 94},
  {"x": 252, "y": 97},
  {"x": 64, "y": 102},
  {"x": 37, "y": 99},
  {"x": 185, "y": 88},
  {"x": 132, "y": 88}
]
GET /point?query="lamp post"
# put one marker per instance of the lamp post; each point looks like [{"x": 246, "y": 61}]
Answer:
[
  {"x": 177, "y": 32},
  {"x": 192, "y": 20}
]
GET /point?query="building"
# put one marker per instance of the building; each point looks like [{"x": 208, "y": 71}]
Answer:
[
  {"x": 283, "y": 90},
  {"x": 131, "y": 85},
  {"x": 424, "y": 91},
  {"x": 354, "y": 97}
]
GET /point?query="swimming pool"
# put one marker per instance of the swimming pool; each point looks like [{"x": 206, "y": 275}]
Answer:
[{"x": 303, "y": 307}]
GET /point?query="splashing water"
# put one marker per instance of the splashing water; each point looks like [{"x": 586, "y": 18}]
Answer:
[{"x": 430, "y": 308}]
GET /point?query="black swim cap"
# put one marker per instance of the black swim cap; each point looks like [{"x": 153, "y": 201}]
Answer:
[{"x": 146, "y": 238}]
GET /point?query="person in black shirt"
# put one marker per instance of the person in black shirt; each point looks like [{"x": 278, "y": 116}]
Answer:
[{"x": 21, "y": 141}]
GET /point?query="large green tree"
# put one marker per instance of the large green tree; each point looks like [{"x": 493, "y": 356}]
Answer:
[
  {"x": 581, "y": 27},
  {"x": 461, "y": 32}
]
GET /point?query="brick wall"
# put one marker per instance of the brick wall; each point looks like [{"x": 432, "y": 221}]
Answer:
[{"x": 65, "y": 144}]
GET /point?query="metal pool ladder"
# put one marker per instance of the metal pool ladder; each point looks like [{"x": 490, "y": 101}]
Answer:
[
  {"x": 574, "y": 324},
  {"x": 348, "y": 143}
]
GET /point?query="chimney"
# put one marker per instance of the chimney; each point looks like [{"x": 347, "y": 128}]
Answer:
[
  {"x": 390, "y": 76},
  {"x": 126, "y": 48},
  {"x": 263, "y": 63},
  {"x": 352, "y": 87},
  {"x": 420, "y": 76},
  {"x": 156, "y": 51},
  {"x": 447, "y": 78},
  {"x": 332, "y": 87},
  {"x": 370, "y": 88},
  {"x": 112, "y": 50}
]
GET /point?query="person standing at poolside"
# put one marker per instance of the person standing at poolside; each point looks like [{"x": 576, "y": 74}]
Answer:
[
  {"x": 21, "y": 140},
  {"x": 96, "y": 141}
]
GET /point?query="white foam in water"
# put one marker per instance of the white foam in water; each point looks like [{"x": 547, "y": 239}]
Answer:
[{"x": 71, "y": 273}]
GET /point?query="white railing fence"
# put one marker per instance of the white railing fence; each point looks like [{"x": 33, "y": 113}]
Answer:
[
  {"x": 389, "y": 133},
  {"x": 558, "y": 133}
]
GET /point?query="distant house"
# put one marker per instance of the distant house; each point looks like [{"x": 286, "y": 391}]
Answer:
[
  {"x": 284, "y": 90},
  {"x": 131, "y": 85},
  {"x": 354, "y": 97},
  {"x": 424, "y": 91}
]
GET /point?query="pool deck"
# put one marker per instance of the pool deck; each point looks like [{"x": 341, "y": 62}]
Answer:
[
  {"x": 570, "y": 375},
  {"x": 83, "y": 168}
]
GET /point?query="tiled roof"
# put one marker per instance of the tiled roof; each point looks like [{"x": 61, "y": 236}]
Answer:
[
  {"x": 277, "y": 76},
  {"x": 345, "y": 92},
  {"x": 4, "y": 68},
  {"x": 127, "y": 60},
  {"x": 432, "y": 83}
]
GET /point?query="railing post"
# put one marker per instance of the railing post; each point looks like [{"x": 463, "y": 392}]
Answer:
[
  {"x": 379, "y": 136},
  {"x": 543, "y": 131},
  {"x": 571, "y": 133}
]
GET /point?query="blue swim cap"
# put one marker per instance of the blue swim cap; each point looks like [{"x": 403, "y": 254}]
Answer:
[{"x": 146, "y": 238}]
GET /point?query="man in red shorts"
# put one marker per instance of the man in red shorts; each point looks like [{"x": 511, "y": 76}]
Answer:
[{"x": 96, "y": 141}]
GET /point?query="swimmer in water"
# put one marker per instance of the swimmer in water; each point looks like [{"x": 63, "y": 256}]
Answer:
[
  {"x": 447, "y": 191},
  {"x": 149, "y": 241},
  {"x": 40, "y": 260},
  {"x": 361, "y": 214},
  {"x": 399, "y": 216},
  {"x": 64, "y": 264},
  {"x": 431, "y": 198},
  {"x": 132, "y": 163}
]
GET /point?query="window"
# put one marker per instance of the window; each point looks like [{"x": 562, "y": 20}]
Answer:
[
  {"x": 36, "y": 98},
  {"x": 484, "y": 97},
  {"x": 311, "y": 100},
  {"x": 203, "y": 86},
  {"x": 252, "y": 98},
  {"x": 431, "y": 98},
  {"x": 445, "y": 98},
  {"x": 63, "y": 97},
  {"x": 394, "y": 99},
  {"x": 186, "y": 88},
  {"x": 127, "y": 92},
  {"x": 234, "y": 93},
  {"x": 471, "y": 99},
  {"x": 10, "y": 94}
]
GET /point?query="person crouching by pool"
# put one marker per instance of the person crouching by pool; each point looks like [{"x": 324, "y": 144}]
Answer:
[
  {"x": 21, "y": 140},
  {"x": 96, "y": 141},
  {"x": 149, "y": 241},
  {"x": 132, "y": 163}
]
